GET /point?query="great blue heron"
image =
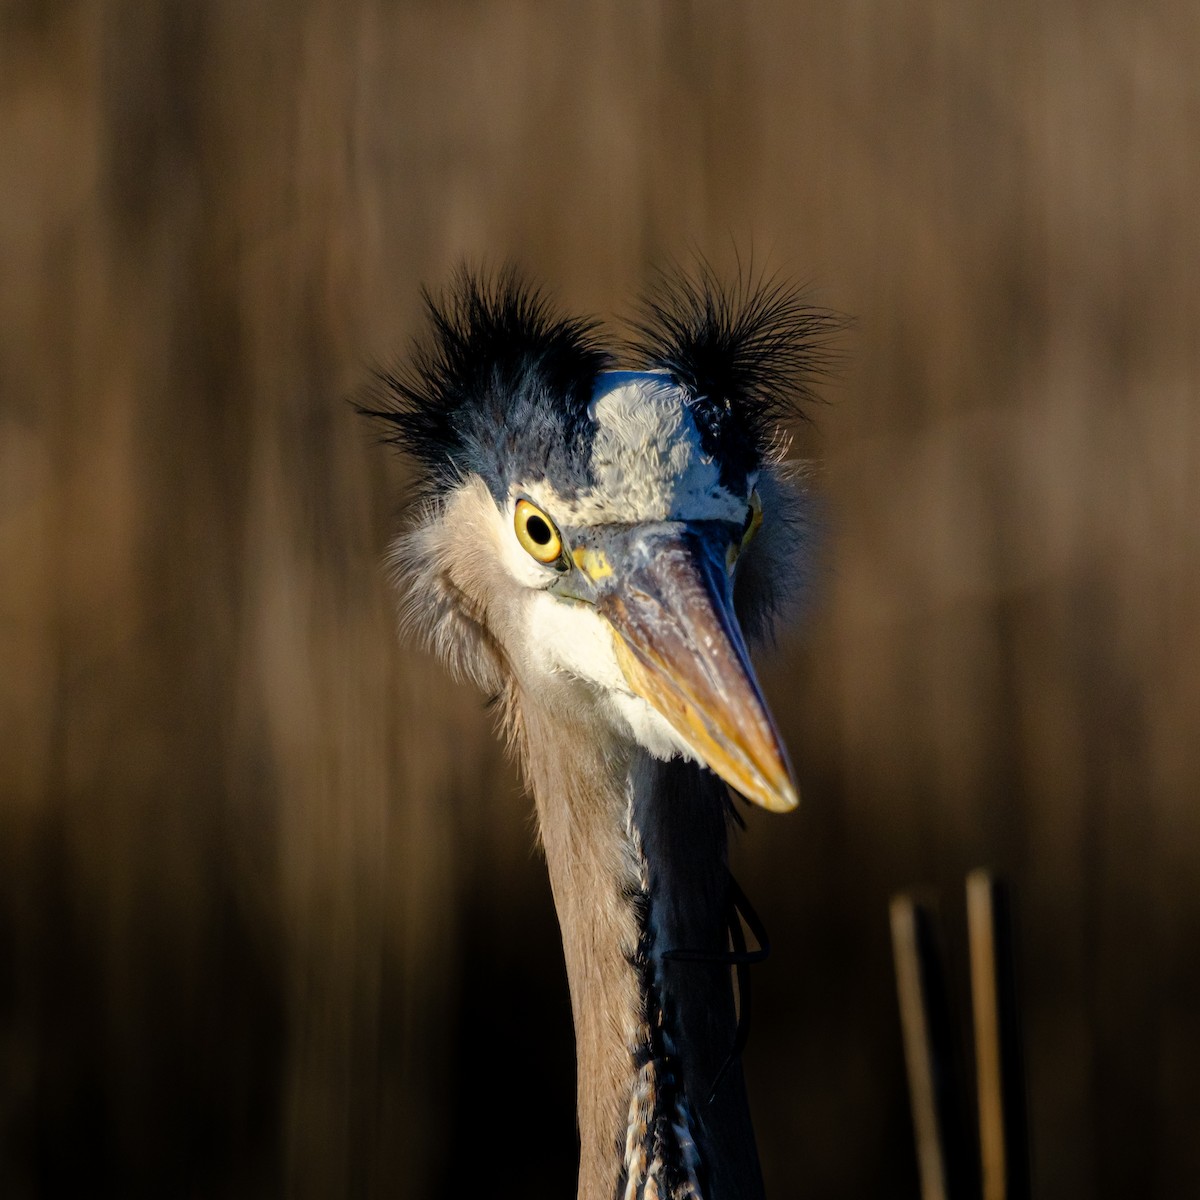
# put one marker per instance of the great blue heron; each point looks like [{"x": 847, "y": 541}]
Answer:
[{"x": 594, "y": 547}]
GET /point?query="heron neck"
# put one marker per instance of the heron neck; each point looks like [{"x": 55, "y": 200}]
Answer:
[{"x": 636, "y": 852}]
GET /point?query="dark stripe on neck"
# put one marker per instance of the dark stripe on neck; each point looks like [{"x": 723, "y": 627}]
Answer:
[
  {"x": 678, "y": 821},
  {"x": 657, "y": 1140}
]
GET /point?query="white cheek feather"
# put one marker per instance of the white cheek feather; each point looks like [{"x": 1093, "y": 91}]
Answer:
[
  {"x": 563, "y": 638},
  {"x": 650, "y": 729}
]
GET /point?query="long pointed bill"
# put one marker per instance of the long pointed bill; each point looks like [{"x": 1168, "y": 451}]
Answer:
[{"x": 682, "y": 651}]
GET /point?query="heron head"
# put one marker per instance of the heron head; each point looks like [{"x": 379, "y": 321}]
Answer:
[{"x": 602, "y": 540}]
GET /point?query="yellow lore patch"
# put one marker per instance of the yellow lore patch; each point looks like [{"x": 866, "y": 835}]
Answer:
[{"x": 593, "y": 563}]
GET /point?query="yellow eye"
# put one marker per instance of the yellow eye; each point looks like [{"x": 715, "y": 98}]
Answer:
[
  {"x": 753, "y": 520},
  {"x": 536, "y": 533}
]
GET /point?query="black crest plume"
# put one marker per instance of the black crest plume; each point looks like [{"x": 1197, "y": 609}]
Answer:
[
  {"x": 499, "y": 385},
  {"x": 747, "y": 352}
]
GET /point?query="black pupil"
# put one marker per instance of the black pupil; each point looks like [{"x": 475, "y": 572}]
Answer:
[{"x": 538, "y": 530}]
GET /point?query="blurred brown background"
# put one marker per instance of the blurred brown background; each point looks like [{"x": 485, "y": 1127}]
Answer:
[{"x": 270, "y": 919}]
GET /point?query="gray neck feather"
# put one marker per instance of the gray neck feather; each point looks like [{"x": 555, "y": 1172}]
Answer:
[{"x": 636, "y": 852}]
